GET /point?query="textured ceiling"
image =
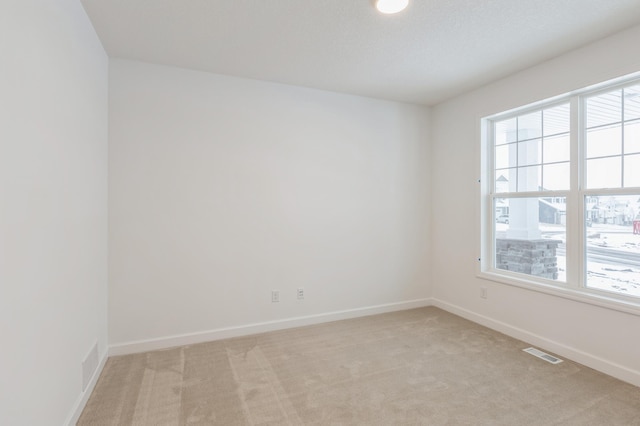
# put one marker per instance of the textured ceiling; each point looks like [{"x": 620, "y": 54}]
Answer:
[{"x": 433, "y": 50}]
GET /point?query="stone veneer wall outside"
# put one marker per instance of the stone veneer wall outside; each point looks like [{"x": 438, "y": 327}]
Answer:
[{"x": 532, "y": 257}]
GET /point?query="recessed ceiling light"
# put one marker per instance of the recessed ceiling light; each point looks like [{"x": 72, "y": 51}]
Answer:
[{"x": 391, "y": 6}]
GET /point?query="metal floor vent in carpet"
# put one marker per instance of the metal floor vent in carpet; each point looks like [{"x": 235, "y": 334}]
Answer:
[{"x": 542, "y": 355}]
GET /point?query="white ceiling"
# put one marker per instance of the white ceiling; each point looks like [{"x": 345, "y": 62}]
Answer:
[{"x": 433, "y": 50}]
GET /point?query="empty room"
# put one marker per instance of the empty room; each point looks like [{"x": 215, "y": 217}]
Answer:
[{"x": 336, "y": 212}]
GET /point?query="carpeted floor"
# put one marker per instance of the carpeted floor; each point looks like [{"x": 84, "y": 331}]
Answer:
[{"x": 417, "y": 367}]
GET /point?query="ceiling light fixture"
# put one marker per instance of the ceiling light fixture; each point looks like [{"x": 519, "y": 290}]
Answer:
[{"x": 391, "y": 6}]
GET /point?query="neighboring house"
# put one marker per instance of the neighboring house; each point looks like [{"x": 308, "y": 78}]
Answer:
[
  {"x": 553, "y": 210},
  {"x": 502, "y": 207},
  {"x": 502, "y": 184},
  {"x": 610, "y": 211}
]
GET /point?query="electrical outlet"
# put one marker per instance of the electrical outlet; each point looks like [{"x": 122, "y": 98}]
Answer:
[
  {"x": 483, "y": 292},
  {"x": 300, "y": 293},
  {"x": 275, "y": 296}
]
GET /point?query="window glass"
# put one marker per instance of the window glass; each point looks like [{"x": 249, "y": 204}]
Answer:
[
  {"x": 632, "y": 137},
  {"x": 557, "y": 120},
  {"x": 632, "y": 171},
  {"x": 604, "y": 173},
  {"x": 529, "y": 178},
  {"x": 522, "y": 154},
  {"x": 632, "y": 102},
  {"x": 530, "y": 152},
  {"x": 506, "y": 131},
  {"x": 604, "y": 141},
  {"x": 556, "y": 177},
  {"x": 503, "y": 159},
  {"x": 502, "y": 183},
  {"x": 530, "y": 236},
  {"x": 604, "y": 109},
  {"x": 530, "y": 126},
  {"x": 557, "y": 148},
  {"x": 612, "y": 241}
]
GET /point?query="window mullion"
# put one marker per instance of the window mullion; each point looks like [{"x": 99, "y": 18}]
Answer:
[{"x": 575, "y": 199}]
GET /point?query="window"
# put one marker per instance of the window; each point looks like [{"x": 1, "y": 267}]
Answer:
[{"x": 561, "y": 199}]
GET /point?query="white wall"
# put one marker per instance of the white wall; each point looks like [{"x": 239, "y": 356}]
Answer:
[
  {"x": 53, "y": 207},
  {"x": 222, "y": 189},
  {"x": 599, "y": 337}
]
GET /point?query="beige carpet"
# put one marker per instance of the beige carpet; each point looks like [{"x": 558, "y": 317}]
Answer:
[{"x": 417, "y": 367}]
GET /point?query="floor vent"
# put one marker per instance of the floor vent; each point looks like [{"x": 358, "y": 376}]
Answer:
[{"x": 542, "y": 355}]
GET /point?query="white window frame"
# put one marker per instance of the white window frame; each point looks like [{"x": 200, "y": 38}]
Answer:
[{"x": 575, "y": 286}]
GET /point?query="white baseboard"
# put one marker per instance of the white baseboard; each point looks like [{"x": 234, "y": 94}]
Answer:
[
  {"x": 602, "y": 365},
  {"x": 607, "y": 367},
  {"x": 245, "y": 330},
  {"x": 84, "y": 396}
]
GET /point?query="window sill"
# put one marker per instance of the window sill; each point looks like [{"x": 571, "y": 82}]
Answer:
[{"x": 591, "y": 297}]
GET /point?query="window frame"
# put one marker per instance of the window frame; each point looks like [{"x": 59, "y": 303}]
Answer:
[{"x": 575, "y": 287}]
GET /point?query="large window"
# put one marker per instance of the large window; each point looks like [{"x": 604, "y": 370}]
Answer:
[{"x": 561, "y": 199}]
